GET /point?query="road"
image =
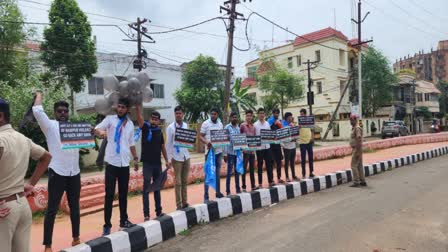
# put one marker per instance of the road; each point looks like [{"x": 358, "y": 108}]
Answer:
[{"x": 402, "y": 210}]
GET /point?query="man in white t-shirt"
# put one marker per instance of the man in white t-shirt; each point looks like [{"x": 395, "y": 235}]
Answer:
[
  {"x": 265, "y": 153},
  {"x": 212, "y": 124}
]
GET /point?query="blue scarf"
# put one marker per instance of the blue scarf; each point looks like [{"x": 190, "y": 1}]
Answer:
[
  {"x": 285, "y": 123},
  {"x": 181, "y": 126},
  {"x": 150, "y": 131},
  {"x": 271, "y": 120},
  {"x": 117, "y": 136}
]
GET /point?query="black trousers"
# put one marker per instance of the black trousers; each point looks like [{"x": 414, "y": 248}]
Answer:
[
  {"x": 277, "y": 158},
  {"x": 151, "y": 173},
  {"x": 249, "y": 159},
  {"x": 113, "y": 174},
  {"x": 290, "y": 156},
  {"x": 57, "y": 185},
  {"x": 266, "y": 156}
]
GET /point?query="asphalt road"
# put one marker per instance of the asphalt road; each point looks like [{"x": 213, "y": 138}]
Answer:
[{"x": 401, "y": 210}]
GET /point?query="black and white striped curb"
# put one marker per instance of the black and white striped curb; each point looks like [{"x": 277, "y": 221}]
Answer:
[{"x": 147, "y": 234}]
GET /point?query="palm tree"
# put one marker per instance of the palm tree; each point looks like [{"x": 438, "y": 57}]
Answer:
[{"x": 240, "y": 99}]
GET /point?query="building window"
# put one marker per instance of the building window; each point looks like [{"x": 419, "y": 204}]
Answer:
[
  {"x": 317, "y": 53},
  {"x": 427, "y": 97},
  {"x": 299, "y": 60},
  {"x": 342, "y": 86},
  {"x": 419, "y": 97},
  {"x": 95, "y": 86},
  {"x": 341, "y": 57},
  {"x": 251, "y": 72},
  {"x": 289, "y": 62},
  {"x": 352, "y": 62},
  {"x": 158, "y": 90},
  {"x": 319, "y": 87},
  {"x": 335, "y": 129}
]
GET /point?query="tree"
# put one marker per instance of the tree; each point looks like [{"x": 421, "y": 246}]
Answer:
[
  {"x": 199, "y": 92},
  {"x": 13, "y": 65},
  {"x": 240, "y": 99},
  {"x": 377, "y": 80},
  {"x": 281, "y": 86},
  {"x": 443, "y": 97},
  {"x": 68, "y": 49}
]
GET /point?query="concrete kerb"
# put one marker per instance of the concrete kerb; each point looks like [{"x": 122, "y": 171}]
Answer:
[{"x": 152, "y": 232}]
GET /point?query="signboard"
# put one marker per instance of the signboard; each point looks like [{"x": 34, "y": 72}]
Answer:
[
  {"x": 219, "y": 138},
  {"x": 268, "y": 136},
  {"x": 306, "y": 121},
  {"x": 253, "y": 143},
  {"x": 355, "y": 110},
  {"x": 239, "y": 141},
  {"x": 76, "y": 135},
  {"x": 295, "y": 132},
  {"x": 185, "y": 138},
  {"x": 283, "y": 135}
]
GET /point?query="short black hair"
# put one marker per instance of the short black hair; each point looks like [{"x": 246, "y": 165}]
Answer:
[
  {"x": 4, "y": 108},
  {"x": 214, "y": 110},
  {"x": 155, "y": 113},
  {"x": 124, "y": 101},
  {"x": 60, "y": 104},
  {"x": 178, "y": 108},
  {"x": 249, "y": 111},
  {"x": 303, "y": 111},
  {"x": 276, "y": 110},
  {"x": 287, "y": 114},
  {"x": 233, "y": 113},
  {"x": 260, "y": 110}
]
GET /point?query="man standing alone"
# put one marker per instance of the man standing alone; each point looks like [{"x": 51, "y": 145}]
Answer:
[
  {"x": 179, "y": 157},
  {"x": 63, "y": 172},
  {"x": 356, "y": 144}
]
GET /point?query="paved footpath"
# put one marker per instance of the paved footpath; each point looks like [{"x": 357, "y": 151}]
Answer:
[{"x": 91, "y": 225}]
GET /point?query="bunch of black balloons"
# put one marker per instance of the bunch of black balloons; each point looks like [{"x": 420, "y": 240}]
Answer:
[{"x": 135, "y": 88}]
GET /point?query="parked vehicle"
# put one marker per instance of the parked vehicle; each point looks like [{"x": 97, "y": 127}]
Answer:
[
  {"x": 394, "y": 129},
  {"x": 435, "y": 126}
]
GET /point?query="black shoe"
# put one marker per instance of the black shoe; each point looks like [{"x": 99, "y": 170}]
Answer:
[
  {"x": 312, "y": 175},
  {"x": 363, "y": 184},
  {"x": 355, "y": 185},
  {"x": 106, "y": 231},
  {"x": 185, "y": 205},
  {"x": 147, "y": 218},
  {"x": 219, "y": 195},
  {"x": 160, "y": 214},
  {"x": 126, "y": 224}
]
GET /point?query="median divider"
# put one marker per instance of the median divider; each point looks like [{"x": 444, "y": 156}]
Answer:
[{"x": 152, "y": 232}]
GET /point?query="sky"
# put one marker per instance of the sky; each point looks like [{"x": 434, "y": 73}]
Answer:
[{"x": 397, "y": 27}]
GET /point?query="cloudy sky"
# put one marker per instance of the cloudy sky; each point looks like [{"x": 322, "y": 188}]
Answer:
[{"x": 398, "y": 27}]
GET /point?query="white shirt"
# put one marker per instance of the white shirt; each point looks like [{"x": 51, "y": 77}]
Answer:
[
  {"x": 258, "y": 127},
  {"x": 123, "y": 158},
  {"x": 171, "y": 151},
  {"x": 63, "y": 162},
  {"x": 208, "y": 126}
]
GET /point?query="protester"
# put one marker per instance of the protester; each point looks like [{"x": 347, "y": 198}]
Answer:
[
  {"x": 289, "y": 149},
  {"x": 276, "y": 149},
  {"x": 119, "y": 131},
  {"x": 63, "y": 173},
  {"x": 306, "y": 146},
  {"x": 153, "y": 145},
  {"x": 249, "y": 156},
  {"x": 356, "y": 144},
  {"x": 265, "y": 153},
  {"x": 179, "y": 157},
  {"x": 213, "y": 123},
  {"x": 230, "y": 155},
  {"x": 15, "y": 213}
]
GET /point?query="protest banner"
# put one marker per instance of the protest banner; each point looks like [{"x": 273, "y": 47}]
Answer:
[
  {"x": 76, "y": 135},
  {"x": 253, "y": 143},
  {"x": 239, "y": 141},
  {"x": 306, "y": 121},
  {"x": 185, "y": 138},
  {"x": 295, "y": 132},
  {"x": 219, "y": 138},
  {"x": 268, "y": 136},
  {"x": 283, "y": 135}
]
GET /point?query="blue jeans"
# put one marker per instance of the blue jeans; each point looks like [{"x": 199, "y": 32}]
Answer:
[
  {"x": 151, "y": 172},
  {"x": 231, "y": 166},
  {"x": 218, "y": 158}
]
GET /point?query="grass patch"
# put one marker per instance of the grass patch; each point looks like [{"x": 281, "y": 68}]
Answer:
[
  {"x": 368, "y": 150},
  {"x": 185, "y": 232},
  {"x": 198, "y": 181}
]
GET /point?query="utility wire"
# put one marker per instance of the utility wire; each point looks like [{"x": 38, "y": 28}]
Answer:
[
  {"x": 186, "y": 27},
  {"x": 427, "y": 11}
]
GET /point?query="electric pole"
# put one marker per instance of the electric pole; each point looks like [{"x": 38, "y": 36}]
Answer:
[
  {"x": 359, "y": 45},
  {"x": 310, "y": 95},
  {"x": 230, "y": 8},
  {"x": 141, "y": 53}
]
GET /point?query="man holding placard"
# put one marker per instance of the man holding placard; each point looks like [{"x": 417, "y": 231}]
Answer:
[
  {"x": 63, "y": 170},
  {"x": 248, "y": 155},
  {"x": 230, "y": 155},
  {"x": 213, "y": 123},
  {"x": 264, "y": 154},
  {"x": 306, "y": 145},
  {"x": 179, "y": 157},
  {"x": 289, "y": 149},
  {"x": 276, "y": 148}
]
